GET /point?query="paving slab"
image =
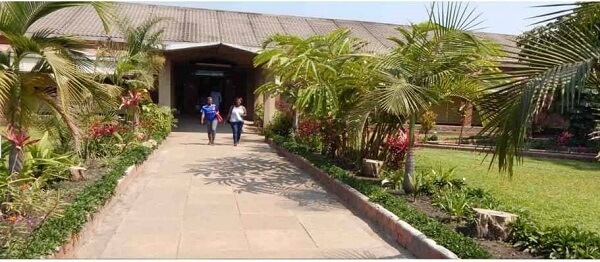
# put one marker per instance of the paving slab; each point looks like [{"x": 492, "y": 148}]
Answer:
[{"x": 199, "y": 201}]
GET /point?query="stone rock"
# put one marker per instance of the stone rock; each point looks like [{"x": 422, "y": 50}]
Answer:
[
  {"x": 492, "y": 224},
  {"x": 371, "y": 167},
  {"x": 386, "y": 183},
  {"x": 77, "y": 173}
]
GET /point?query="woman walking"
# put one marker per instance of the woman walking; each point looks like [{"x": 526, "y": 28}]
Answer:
[
  {"x": 236, "y": 115},
  {"x": 210, "y": 113}
]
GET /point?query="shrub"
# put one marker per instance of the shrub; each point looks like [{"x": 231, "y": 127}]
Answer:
[
  {"x": 433, "y": 137},
  {"x": 397, "y": 146},
  {"x": 396, "y": 177},
  {"x": 455, "y": 202},
  {"x": 555, "y": 242},
  {"x": 427, "y": 122},
  {"x": 281, "y": 125},
  {"x": 564, "y": 138},
  {"x": 56, "y": 230},
  {"x": 157, "y": 120},
  {"x": 309, "y": 133}
]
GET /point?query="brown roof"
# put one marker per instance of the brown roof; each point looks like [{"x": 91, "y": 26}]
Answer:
[{"x": 194, "y": 25}]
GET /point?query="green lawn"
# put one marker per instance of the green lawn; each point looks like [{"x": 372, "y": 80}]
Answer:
[{"x": 555, "y": 192}]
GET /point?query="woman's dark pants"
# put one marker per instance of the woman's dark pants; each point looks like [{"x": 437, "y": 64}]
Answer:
[{"x": 236, "y": 127}]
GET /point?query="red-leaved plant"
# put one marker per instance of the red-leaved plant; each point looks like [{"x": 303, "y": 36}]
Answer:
[
  {"x": 308, "y": 128},
  {"x": 564, "y": 138},
  {"x": 19, "y": 139},
  {"x": 397, "y": 146},
  {"x": 133, "y": 100},
  {"x": 98, "y": 129}
]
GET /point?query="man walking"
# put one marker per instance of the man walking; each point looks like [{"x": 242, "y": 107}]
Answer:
[{"x": 209, "y": 116}]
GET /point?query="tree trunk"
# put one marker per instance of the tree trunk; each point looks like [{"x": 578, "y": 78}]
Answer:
[
  {"x": 462, "y": 127},
  {"x": 296, "y": 119},
  {"x": 409, "y": 168},
  {"x": 136, "y": 118},
  {"x": 15, "y": 160}
]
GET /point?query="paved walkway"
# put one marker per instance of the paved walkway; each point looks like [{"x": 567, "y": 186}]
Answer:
[{"x": 199, "y": 201}]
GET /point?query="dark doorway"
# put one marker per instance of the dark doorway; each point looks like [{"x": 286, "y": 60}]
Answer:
[{"x": 196, "y": 81}]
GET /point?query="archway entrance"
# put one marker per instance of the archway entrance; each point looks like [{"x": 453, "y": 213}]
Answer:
[{"x": 218, "y": 69}]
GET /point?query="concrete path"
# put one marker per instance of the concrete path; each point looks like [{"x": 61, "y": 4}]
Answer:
[{"x": 199, "y": 201}]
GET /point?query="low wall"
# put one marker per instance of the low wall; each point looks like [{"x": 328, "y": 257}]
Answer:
[{"x": 404, "y": 234}]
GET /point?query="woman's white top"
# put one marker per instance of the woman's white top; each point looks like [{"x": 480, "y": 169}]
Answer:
[{"x": 237, "y": 113}]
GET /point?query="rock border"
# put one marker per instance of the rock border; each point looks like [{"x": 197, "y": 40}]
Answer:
[
  {"x": 403, "y": 233},
  {"x": 131, "y": 173}
]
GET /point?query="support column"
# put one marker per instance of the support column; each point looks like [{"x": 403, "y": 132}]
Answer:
[
  {"x": 165, "y": 85},
  {"x": 468, "y": 114},
  {"x": 269, "y": 106}
]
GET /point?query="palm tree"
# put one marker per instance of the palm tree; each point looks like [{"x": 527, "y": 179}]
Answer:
[
  {"x": 134, "y": 63},
  {"x": 322, "y": 74},
  {"x": 57, "y": 84},
  {"x": 562, "y": 58},
  {"x": 432, "y": 61}
]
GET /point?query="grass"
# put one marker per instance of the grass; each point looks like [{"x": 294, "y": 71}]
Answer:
[{"x": 554, "y": 192}]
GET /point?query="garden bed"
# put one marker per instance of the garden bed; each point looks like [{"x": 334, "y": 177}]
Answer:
[
  {"x": 498, "y": 249},
  {"x": 44, "y": 207},
  {"x": 541, "y": 241}
]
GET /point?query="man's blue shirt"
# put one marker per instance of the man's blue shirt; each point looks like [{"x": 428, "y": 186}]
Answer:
[{"x": 210, "y": 112}]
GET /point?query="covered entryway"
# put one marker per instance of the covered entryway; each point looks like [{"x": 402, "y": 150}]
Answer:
[{"x": 193, "y": 71}]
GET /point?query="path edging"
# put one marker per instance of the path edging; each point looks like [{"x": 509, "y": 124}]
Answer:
[
  {"x": 403, "y": 233},
  {"x": 131, "y": 173}
]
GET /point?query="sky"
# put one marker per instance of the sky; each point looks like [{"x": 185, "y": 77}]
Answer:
[{"x": 503, "y": 17}]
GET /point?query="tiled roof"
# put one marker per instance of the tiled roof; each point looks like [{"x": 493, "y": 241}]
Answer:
[{"x": 194, "y": 25}]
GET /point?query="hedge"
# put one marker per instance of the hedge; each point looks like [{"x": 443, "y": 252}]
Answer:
[{"x": 462, "y": 246}]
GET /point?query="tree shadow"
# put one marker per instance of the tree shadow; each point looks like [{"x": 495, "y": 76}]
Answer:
[{"x": 254, "y": 174}]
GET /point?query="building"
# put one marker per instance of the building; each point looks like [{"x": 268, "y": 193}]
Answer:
[{"x": 208, "y": 50}]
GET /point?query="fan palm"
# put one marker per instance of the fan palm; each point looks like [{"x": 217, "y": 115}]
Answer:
[
  {"x": 57, "y": 84},
  {"x": 561, "y": 58},
  {"x": 432, "y": 61}
]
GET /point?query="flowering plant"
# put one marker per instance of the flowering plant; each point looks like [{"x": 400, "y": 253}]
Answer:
[
  {"x": 397, "y": 146},
  {"x": 132, "y": 101},
  {"x": 564, "y": 138},
  {"x": 18, "y": 138}
]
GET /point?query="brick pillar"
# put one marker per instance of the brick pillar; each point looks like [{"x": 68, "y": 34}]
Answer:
[{"x": 468, "y": 114}]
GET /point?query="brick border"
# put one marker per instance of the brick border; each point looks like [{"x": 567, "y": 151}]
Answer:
[
  {"x": 131, "y": 173},
  {"x": 529, "y": 153},
  {"x": 403, "y": 233}
]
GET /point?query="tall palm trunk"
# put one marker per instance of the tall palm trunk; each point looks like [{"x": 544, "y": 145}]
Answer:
[
  {"x": 15, "y": 160},
  {"x": 409, "y": 168}
]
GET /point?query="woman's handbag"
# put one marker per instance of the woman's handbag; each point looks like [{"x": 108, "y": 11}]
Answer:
[{"x": 219, "y": 118}]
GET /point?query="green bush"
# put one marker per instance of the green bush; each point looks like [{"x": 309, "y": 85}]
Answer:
[
  {"x": 455, "y": 202},
  {"x": 281, "y": 125},
  {"x": 461, "y": 245},
  {"x": 57, "y": 230},
  {"x": 555, "y": 242},
  {"x": 157, "y": 120}
]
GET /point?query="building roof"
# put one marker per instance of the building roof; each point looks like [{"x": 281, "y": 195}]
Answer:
[{"x": 195, "y": 25}]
